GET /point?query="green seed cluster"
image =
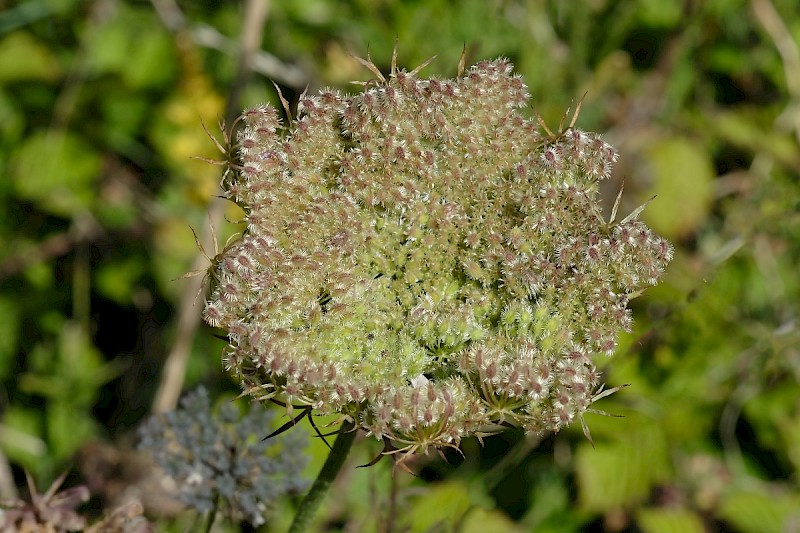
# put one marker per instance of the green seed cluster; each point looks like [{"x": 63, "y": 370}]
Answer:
[{"x": 420, "y": 258}]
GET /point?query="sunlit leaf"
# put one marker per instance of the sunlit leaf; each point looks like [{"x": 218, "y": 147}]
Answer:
[
  {"x": 682, "y": 175},
  {"x": 12, "y": 122},
  {"x": 652, "y": 520},
  {"x": 480, "y": 520},
  {"x": 118, "y": 280},
  {"x": 110, "y": 44},
  {"x": 441, "y": 506},
  {"x": 57, "y": 171},
  {"x": 22, "y": 436},
  {"x": 751, "y": 511},
  {"x": 67, "y": 429},
  {"x": 23, "y": 58},
  {"x": 658, "y": 14},
  {"x": 622, "y": 473}
]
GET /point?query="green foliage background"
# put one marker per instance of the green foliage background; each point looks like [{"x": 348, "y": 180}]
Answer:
[{"x": 101, "y": 104}]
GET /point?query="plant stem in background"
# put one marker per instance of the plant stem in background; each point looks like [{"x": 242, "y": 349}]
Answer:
[
  {"x": 334, "y": 462},
  {"x": 174, "y": 372},
  {"x": 212, "y": 514}
]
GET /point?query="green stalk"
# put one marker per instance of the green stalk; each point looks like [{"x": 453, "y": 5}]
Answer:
[
  {"x": 333, "y": 464},
  {"x": 212, "y": 514}
]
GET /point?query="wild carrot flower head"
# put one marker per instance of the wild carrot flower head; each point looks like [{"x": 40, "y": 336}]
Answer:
[{"x": 420, "y": 258}]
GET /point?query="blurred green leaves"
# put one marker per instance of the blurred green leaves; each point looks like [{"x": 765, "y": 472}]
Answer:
[
  {"x": 64, "y": 374},
  {"x": 110, "y": 45},
  {"x": 69, "y": 371}
]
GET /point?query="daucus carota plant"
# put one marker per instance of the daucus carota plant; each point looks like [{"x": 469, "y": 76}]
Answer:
[{"x": 424, "y": 261}]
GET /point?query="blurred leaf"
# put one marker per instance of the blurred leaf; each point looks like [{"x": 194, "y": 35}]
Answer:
[
  {"x": 443, "y": 504},
  {"x": 790, "y": 429},
  {"x": 479, "y": 520},
  {"x": 774, "y": 416},
  {"x": 12, "y": 123},
  {"x": 68, "y": 428},
  {"x": 70, "y": 374},
  {"x": 132, "y": 28},
  {"x": 21, "y": 14},
  {"x": 153, "y": 63},
  {"x": 752, "y": 511},
  {"x": 117, "y": 207},
  {"x": 9, "y": 335},
  {"x": 124, "y": 117},
  {"x": 725, "y": 57},
  {"x": 57, "y": 171},
  {"x": 669, "y": 521},
  {"x": 40, "y": 276},
  {"x": 21, "y": 436},
  {"x": 118, "y": 280},
  {"x": 683, "y": 176},
  {"x": 622, "y": 473},
  {"x": 743, "y": 128},
  {"x": 23, "y": 58},
  {"x": 659, "y": 14},
  {"x": 550, "y": 509}
]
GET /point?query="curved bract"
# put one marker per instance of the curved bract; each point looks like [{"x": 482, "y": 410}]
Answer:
[{"x": 422, "y": 260}]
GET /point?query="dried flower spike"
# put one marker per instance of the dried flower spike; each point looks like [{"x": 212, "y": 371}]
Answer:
[{"x": 53, "y": 511}]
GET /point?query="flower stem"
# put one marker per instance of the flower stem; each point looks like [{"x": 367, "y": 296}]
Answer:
[
  {"x": 334, "y": 462},
  {"x": 212, "y": 514}
]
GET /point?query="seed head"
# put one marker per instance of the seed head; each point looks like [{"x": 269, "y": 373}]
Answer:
[
  {"x": 421, "y": 259},
  {"x": 224, "y": 456}
]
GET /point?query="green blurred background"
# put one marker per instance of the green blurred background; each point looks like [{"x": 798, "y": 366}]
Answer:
[{"x": 101, "y": 110}]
